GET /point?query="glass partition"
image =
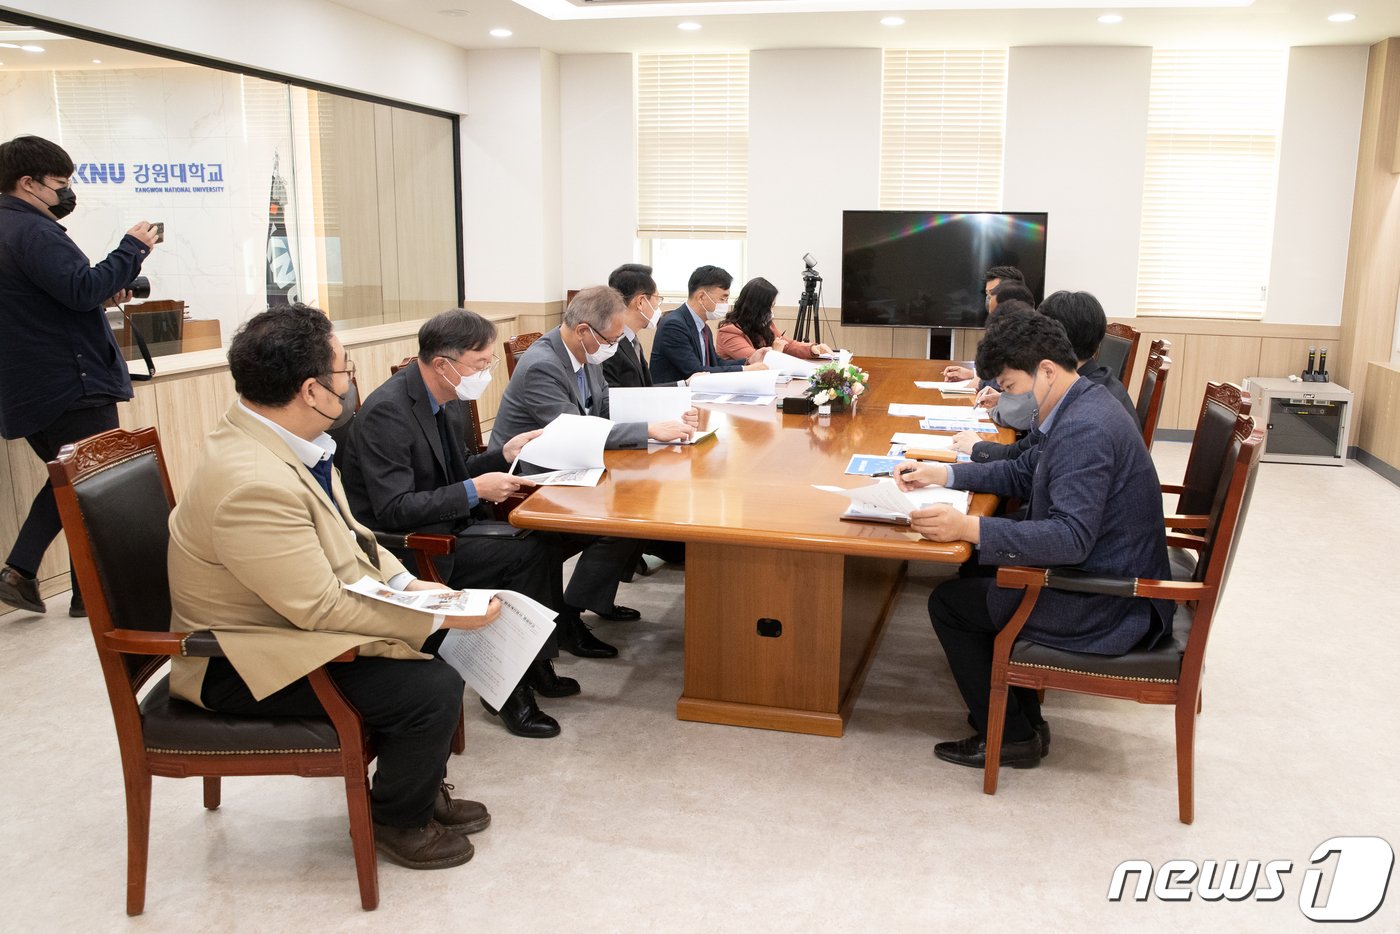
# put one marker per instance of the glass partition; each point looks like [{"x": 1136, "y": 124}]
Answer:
[{"x": 269, "y": 191}]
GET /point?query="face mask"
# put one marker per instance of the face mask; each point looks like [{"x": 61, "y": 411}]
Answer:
[
  {"x": 720, "y": 311},
  {"x": 1017, "y": 410},
  {"x": 471, "y": 387},
  {"x": 651, "y": 318},
  {"x": 67, "y": 201},
  {"x": 599, "y": 356},
  {"x": 348, "y": 404}
]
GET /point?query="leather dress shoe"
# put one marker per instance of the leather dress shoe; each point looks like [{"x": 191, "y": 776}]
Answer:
[
  {"x": 19, "y": 591},
  {"x": 972, "y": 752},
  {"x": 619, "y": 614},
  {"x": 431, "y": 846},
  {"x": 76, "y": 608},
  {"x": 546, "y": 681},
  {"x": 523, "y": 717},
  {"x": 459, "y": 814},
  {"x": 577, "y": 639},
  {"x": 1042, "y": 730}
]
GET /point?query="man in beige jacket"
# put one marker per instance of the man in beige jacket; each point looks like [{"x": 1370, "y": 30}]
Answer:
[{"x": 260, "y": 544}]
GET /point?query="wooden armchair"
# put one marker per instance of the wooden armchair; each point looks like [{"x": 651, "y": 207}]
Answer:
[
  {"x": 1207, "y": 463},
  {"x": 1118, "y": 351},
  {"x": 1149, "y": 401},
  {"x": 114, "y": 496},
  {"x": 1169, "y": 674},
  {"x": 515, "y": 346}
]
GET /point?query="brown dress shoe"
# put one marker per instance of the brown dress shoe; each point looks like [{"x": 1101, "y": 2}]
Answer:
[
  {"x": 19, "y": 591},
  {"x": 431, "y": 846},
  {"x": 458, "y": 814}
]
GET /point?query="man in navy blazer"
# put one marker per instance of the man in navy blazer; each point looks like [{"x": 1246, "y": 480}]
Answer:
[
  {"x": 61, "y": 373},
  {"x": 628, "y": 367},
  {"x": 684, "y": 345},
  {"x": 1094, "y": 503}
]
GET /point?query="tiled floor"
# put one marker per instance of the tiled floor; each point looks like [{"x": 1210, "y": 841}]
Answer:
[{"x": 634, "y": 821}]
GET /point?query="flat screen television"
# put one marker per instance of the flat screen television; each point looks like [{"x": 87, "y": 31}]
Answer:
[{"x": 925, "y": 269}]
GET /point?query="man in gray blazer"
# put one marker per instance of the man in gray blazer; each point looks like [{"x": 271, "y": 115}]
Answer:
[
  {"x": 1094, "y": 503},
  {"x": 562, "y": 373}
]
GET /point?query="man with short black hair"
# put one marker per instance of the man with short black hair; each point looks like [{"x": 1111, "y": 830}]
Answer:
[
  {"x": 1094, "y": 504},
  {"x": 61, "y": 372},
  {"x": 262, "y": 543},
  {"x": 995, "y": 275},
  {"x": 684, "y": 345},
  {"x": 628, "y": 367},
  {"x": 1009, "y": 290},
  {"x": 411, "y": 465}
]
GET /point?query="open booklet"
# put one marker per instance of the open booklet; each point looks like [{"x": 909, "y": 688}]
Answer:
[
  {"x": 582, "y": 476},
  {"x": 492, "y": 659},
  {"x": 883, "y": 501}
]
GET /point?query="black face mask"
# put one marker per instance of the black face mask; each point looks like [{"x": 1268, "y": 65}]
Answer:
[{"x": 67, "y": 201}]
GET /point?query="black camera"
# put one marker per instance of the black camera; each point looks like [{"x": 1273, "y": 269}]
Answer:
[{"x": 140, "y": 287}]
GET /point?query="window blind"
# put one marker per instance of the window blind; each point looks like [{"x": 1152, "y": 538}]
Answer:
[
  {"x": 1210, "y": 185},
  {"x": 693, "y": 145},
  {"x": 943, "y": 120}
]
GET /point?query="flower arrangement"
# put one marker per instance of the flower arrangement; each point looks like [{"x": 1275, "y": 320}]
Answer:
[{"x": 837, "y": 384}]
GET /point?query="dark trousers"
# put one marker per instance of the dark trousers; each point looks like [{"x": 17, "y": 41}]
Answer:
[
  {"x": 42, "y": 525},
  {"x": 958, "y": 609},
  {"x": 411, "y": 708},
  {"x": 602, "y": 564},
  {"x": 527, "y": 563}
]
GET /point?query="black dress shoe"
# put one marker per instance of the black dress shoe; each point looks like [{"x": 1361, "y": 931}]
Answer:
[
  {"x": 546, "y": 681},
  {"x": 19, "y": 591},
  {"x": 577, "y": 639},
  {"x": 523, "y": 717},
  {"x": 972, "y": 752},
  {"x": 1042, "y": 730},
  {"x": 619, "y": 614},
  {"x": 76, "y": 607}
]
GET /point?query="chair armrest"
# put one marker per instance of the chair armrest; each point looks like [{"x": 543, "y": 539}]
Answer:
[
  {"x": 1173, "y": 488},
  {"x": 1182, "y": 540},
  {"x": 418, "y": 541},
  {"x": 1186, "y": 522},
  {"x": 1076, "y": 581},
  {"x": 140, "y": 642}
]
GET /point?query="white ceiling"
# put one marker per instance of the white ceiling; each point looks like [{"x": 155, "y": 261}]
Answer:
[{"x": 651, "y": 25}]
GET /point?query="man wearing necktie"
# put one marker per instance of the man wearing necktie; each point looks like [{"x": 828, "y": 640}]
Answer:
[
  {"x": 628, "y": 367},
  {"x": 261, "y": 543}
]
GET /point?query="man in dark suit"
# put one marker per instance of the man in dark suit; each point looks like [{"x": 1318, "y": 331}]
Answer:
[
  {"x": 684, "y": 345},
  {"x": 409, "y": 467},
  {"x": 628, "y": 367},
  {"x": 562, "y": 372},
  {"x": 61, "y": 373},
  {"x": 1094, "y": 503}
]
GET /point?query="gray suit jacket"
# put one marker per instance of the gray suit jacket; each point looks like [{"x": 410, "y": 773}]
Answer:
[{"x": 544, "y": 387}]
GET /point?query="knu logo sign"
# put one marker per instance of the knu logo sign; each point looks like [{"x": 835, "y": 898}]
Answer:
[{"x": 1360, "y": 877}]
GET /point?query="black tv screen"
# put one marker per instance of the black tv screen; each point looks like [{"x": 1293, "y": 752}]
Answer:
[{"x": 926, "y": 269}]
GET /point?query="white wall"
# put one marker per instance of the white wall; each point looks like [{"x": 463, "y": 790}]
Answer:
[
  {"x": 598, "y": 166},
  {"x": 311, "y": 39},
  {"x": 1076, "y": 142},
  {"x": 1316, "y": 181},
  {"x": 510, "y": 177},
  {"x": 814, "y": 151}
]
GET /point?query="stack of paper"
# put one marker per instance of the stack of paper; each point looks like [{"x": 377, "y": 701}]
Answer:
[
  {"x": 883, "y": 501},
  {"x": 648, "y": 403},
  {"x": 958, "y": 413},
  {"x": 570, "y": 442},
  {"x": 967, "y": 387},
  {"x": 791, "y": 366}
]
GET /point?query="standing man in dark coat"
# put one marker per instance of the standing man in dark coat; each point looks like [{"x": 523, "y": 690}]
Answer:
[
  {"x": 61, "y": 373},
  {"x": 1095, "y": 503}
]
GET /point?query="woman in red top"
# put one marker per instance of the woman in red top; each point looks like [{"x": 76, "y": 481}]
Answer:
[{"x": 748, "y": 330}]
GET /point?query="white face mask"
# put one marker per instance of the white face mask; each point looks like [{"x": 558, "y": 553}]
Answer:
[
  {"x": 719, "y": 311},
  {"x": 599, "y": 357},
  {"x": 471, "y": 387},
  {"x": 652, "y": 318}
]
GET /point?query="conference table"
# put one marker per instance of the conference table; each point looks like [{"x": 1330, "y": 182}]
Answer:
[{"x": 785, "y": 602}]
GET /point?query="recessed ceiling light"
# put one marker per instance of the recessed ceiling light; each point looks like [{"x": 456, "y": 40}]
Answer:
[
  {"x": 31, "y": 48},
  {"x": 688, "y": 27},
  {"x": 500, "y": 32},
  {"x": 1108, "y": 19},
  {"x": 1341, "y": 17},
  {"x": 454, "y": 12},
  {"x": 892, "y": 21}
]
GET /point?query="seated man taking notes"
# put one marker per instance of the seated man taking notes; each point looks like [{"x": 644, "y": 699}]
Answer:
[
  {"x": 260, "y": 544},
  {"x": 562, "y": 373},
  {"x": 1094, "y": 504},
  {"x": 684, "y": 345}
]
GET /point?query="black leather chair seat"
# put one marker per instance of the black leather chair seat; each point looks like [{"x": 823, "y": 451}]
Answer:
[
  {"x": 172, "y": 725},
  {"x": 1183, "y": 562},
  {"x": 1160, "y": 664}
]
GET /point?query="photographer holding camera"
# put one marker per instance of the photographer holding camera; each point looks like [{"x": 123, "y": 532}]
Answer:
[{"x": 61, "y": 372}]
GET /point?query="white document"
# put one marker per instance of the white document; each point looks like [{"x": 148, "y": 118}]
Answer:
[
  {"x": 743, "y": 382},
  {"x": 792, "y": 366},
  {"x": 493, "y": 659},
  {"x": 588, "y": 476},
  {"x": 842, "y": 357},
  {"x": 884, "y": 500},
  {"x": 732, "y": 398},
  {"x": 922, "y": 442},
  {"x": 648, "y": 403},
  {"x": 570, "y": 442},
  {"x": 433, "y": 602},
  {"x": 693, "y": 439},
  {"x": 950, "y": 413},
  {"x": 967, "y": 387}
]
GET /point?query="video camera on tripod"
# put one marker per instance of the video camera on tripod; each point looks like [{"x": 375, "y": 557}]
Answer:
[{"x": 810, "y": 302}]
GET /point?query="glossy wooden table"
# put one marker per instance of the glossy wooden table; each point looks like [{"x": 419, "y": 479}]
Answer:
[{"x": 763, "y": 546}]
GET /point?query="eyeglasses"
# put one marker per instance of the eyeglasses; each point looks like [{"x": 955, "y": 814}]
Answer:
[
  {"x": 472, "y": 369},
  {"x": 601, "y": 339},
  {"x": 348, "y": 371}
]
